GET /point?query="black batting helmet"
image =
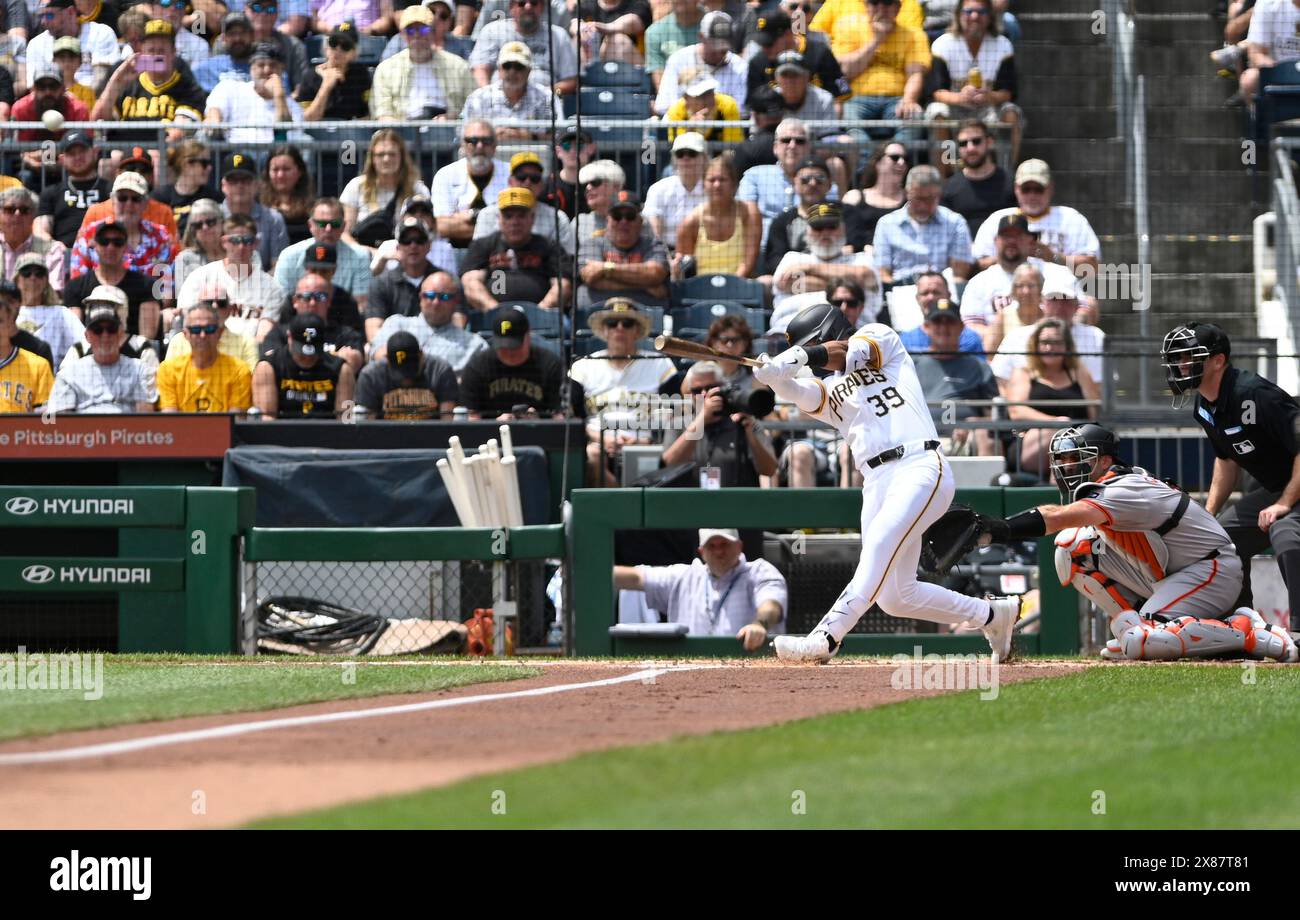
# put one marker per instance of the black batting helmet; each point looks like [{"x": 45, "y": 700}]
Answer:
[
  {"x": 1183, "y": 355},
  {"x": 822, "y": 322},
  {"x": 1075, "y": 451}
]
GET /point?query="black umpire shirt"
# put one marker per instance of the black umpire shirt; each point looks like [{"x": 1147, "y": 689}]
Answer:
[{"x": 1266, "y": 447}]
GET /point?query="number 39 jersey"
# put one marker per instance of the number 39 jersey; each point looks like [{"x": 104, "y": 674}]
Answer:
[{"x": 877, "y": 402}]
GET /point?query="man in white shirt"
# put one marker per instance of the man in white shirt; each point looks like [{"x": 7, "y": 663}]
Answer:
[
  {"x": 711, "y": 56},
  {"x": 719, "y": 594},
  {"x": 669, "y": 200},
  {"x": 262, "y": 100},
  {"x": 803, "y": 272},
  {"x": 104, "y": 381},
  {"x": 526, "y": 172},
  {"x": 1274, "y": 37},
  {"x": 99, "y": 49},
  {"x": 990, "y": 291},
  {"x": 463, "y": 188},
  {"x": 439, "y": 337},
  {"x": 256, "y": 296},
  {"x": 1058, "y": 302}
]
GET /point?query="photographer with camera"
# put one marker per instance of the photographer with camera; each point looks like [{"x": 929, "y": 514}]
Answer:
[{"x": 725, "y": 438}]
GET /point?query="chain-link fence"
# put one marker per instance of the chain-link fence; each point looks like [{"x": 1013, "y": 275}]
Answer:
[{"x": 395, "y": 608}]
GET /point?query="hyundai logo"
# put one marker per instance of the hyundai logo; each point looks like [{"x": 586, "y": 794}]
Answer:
[
  {"x": 21, "y": 504},
  {"x": 38, "y": 574}
]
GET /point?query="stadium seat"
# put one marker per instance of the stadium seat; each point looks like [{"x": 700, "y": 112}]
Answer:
[
  {"x": 694, "y": 321},
  {"x": 616, "y": 73},
  {"x": 713, "y": 288},
  {"x": 540, "y": 321},
  {"x": 370, "y": 50},
  {"x": 608, "y": 103}
]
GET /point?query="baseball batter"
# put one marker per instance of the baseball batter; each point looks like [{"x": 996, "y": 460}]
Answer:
[
  {"x": 875, "y": 401},
  {"x": 1155, "y": 561}
]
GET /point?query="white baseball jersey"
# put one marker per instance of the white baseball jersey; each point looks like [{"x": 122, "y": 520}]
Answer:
[
  {"x": 989, "y": 292},
  {"x": 1276, "y": 25},
  {"x": 877, "y": 402},
  {"x": 1064, "y": 229}
]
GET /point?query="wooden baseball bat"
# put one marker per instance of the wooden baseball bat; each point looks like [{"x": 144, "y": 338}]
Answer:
[{"x": 685, "y": 348}]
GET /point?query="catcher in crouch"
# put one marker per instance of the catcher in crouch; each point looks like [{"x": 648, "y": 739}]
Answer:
[{"x": 1154, "y": 560}]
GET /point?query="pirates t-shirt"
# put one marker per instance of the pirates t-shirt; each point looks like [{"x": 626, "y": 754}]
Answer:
[{"x": 178, "y": 98}]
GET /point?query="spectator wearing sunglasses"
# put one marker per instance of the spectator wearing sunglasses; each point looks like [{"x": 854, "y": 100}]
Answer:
[
  {"x": 232, "y": 342},
  {"x": 143, "y": 307},
  {"x": 40, "y": 311},
  {"x": 149, "y": 247},
  {"x": 201, "y": 243},
  {"x": 574, "y": 150},
  {"x": 443, "y": 17},
  {"x": 623, "y": 261},
  {"x": 239, "y": 188},
  {"x": 263, "y": 16},
  {"x": 513, "y": 97},
  {"x": 255, "y": 294},
  {"x": 192, "y": 49},
  {"x": 191, "y": 164},
  {"x": 514, "y": 263},
  {"x": 789, "y": 232},
  {"x": 773, "y": 187},
  {"x": 301, "y": 379},
  {"x": 527, "y": 24},
  {"x": 59, "y": 19},
  {"x": 205, "y": 380},
  {"x": 47, "y": 94},
  {"x": 138, "y": 160},
  {"x": 148, "y": 86},
  {"x": 981, "y": 186},
  {"x": 338, "y": 88},
  {"x": 63, "y": 206},
  {"x": 881, "y": 192},
  {"x": 105, "y": 380},
  {"x": 423, "y": 82},
  {"x": 672, "y": 198},
  {"x": 464, "y": 187},
  {"x": 883, "y": 55},
  {"x": 711, "y": 55},
  {"x": 526, "y": 172},
  {"x": 314, "y": 294},
  {"x": 326, "y": 226},
  {"x": 774, "y": 35},
  {"x": 17, "y": 221},
  {"x": 438, "y": 336},
  {"x": 397, "y": 291}
]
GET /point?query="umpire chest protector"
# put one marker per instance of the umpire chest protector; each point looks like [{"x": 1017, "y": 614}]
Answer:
[{"x": 1253, "y": 423}]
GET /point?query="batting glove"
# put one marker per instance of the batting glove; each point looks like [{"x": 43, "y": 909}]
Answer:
[{"x": 772, "y": 371}]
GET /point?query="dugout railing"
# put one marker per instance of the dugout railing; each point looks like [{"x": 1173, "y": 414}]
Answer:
[{"x": 174, "y": 576}]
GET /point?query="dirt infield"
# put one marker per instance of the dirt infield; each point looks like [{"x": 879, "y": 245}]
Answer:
[{"x": 223, "y": 781}]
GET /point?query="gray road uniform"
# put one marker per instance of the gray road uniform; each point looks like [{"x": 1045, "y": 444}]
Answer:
[{"x": 1164, "y": 570}]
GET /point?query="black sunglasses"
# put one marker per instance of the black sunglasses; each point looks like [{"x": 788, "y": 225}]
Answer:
[
  {"x": 209, "y": 329},
  {"x": 970, "y": 142},
  {"x": 103, "y": 329},
  {"x": 846, "y": 302},
  {"x": 621, "y": 324},
  {"x": 117, "y": 241},
  {"x": 33, "y": 271},
  {"x": 528, "y": 176}
]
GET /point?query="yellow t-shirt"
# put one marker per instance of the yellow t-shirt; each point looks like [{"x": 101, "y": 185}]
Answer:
[
  {"x": 232, "y": 343},
  {"x": 225, "y": 386},
  {"x": 84, "y": 93},
  {"x": 728, "y": 110},
  {"x": 25, "y": 381},
  {"x": 848, "y": 25}
]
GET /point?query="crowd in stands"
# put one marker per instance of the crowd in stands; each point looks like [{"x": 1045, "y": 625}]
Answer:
[{"x": 216, "y": 273}]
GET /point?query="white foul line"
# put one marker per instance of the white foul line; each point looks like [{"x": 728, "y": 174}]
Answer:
[{"x": 111, "y": 748}]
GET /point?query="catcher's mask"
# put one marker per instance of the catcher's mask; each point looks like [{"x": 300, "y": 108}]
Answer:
[
  {"x": 1183, "y": 355},
  {"x": 1074, "y": 456},
  {"x": 822, "y": 322}
]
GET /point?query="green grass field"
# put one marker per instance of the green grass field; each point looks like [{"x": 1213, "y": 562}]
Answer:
[
  {"x": 1176, "y": 746},
  {"x": 144, "y": 688}
]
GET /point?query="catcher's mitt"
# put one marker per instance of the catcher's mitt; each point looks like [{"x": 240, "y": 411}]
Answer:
[{"x": 948, "y": 539}]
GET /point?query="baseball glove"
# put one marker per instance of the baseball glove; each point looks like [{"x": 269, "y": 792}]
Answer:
[{"x": 948, "y": 539}]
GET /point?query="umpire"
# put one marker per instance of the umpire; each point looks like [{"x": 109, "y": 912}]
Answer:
[{"x": 1251, "y": 423}]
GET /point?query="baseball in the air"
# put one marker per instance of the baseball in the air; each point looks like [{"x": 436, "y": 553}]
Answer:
[{"x": 53, "y": 120}]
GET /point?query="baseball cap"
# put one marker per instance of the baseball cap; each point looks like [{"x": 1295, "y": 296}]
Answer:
[
  {"x": 74, "y": 139},
  {"x": 266, "y": 51},
  {"x": 716, "y": 26},
  {"x": 509, "y": 329},
  {"x": 690, "y": 140},
  {"x": 322, "y": 255},
  {"x": 701, "y": 85},
  {"x": 29, "y": 258},
  {"x": 1033, "y": 171},
  {"x": 9, "y": 290},
  {"x": 415, "y": 15},
  {"x": 344, "y": 34},
  {"x": 516, "y": 52},
  {"x": 625, "y": 201},
  {"x": 412, "y": 224},
  {"x": 159, "y": 27},
  {"x": 791, "y": 61},
  {"x": 107, "y": 227},
  {"x": 447, "y": 3},
  {"x": 813, "y": 162},
  {"x": 1014, "y": 221},
  {"x": 137, "y": 155},
  {"x": 131, "y": 182},
  {"x": 233, "y": 163},
  {"x": 46, "y": 72},
  {"x": 1213, "y": 338},
  {"x": 766, "y": 101},
  {"x": 403, "y": 354},
  {"x": 69, "y": 43},
  {"x": 105, "y": 302},
  {"x": 1059, "y": 284},
  {"x": 771, "y": 27},
  {"x": 708, "y": 533},
  {"x": 306, "y": 332},
  {"x": 571, "y": 132},
  {"x": 826, "y": 214},
  {"x": 524, "y": 158},
  {"x": 237, "y": 18},
  {"x": 418, "y": 203},
  {"x": 940, "y": 309},
  {"x": 515, "y": 198}
]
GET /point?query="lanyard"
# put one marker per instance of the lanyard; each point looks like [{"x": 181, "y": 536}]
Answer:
[{"x": 717, "y": 611}]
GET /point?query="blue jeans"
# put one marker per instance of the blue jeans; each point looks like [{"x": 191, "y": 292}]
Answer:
[{"x": 864, "y": 108}]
